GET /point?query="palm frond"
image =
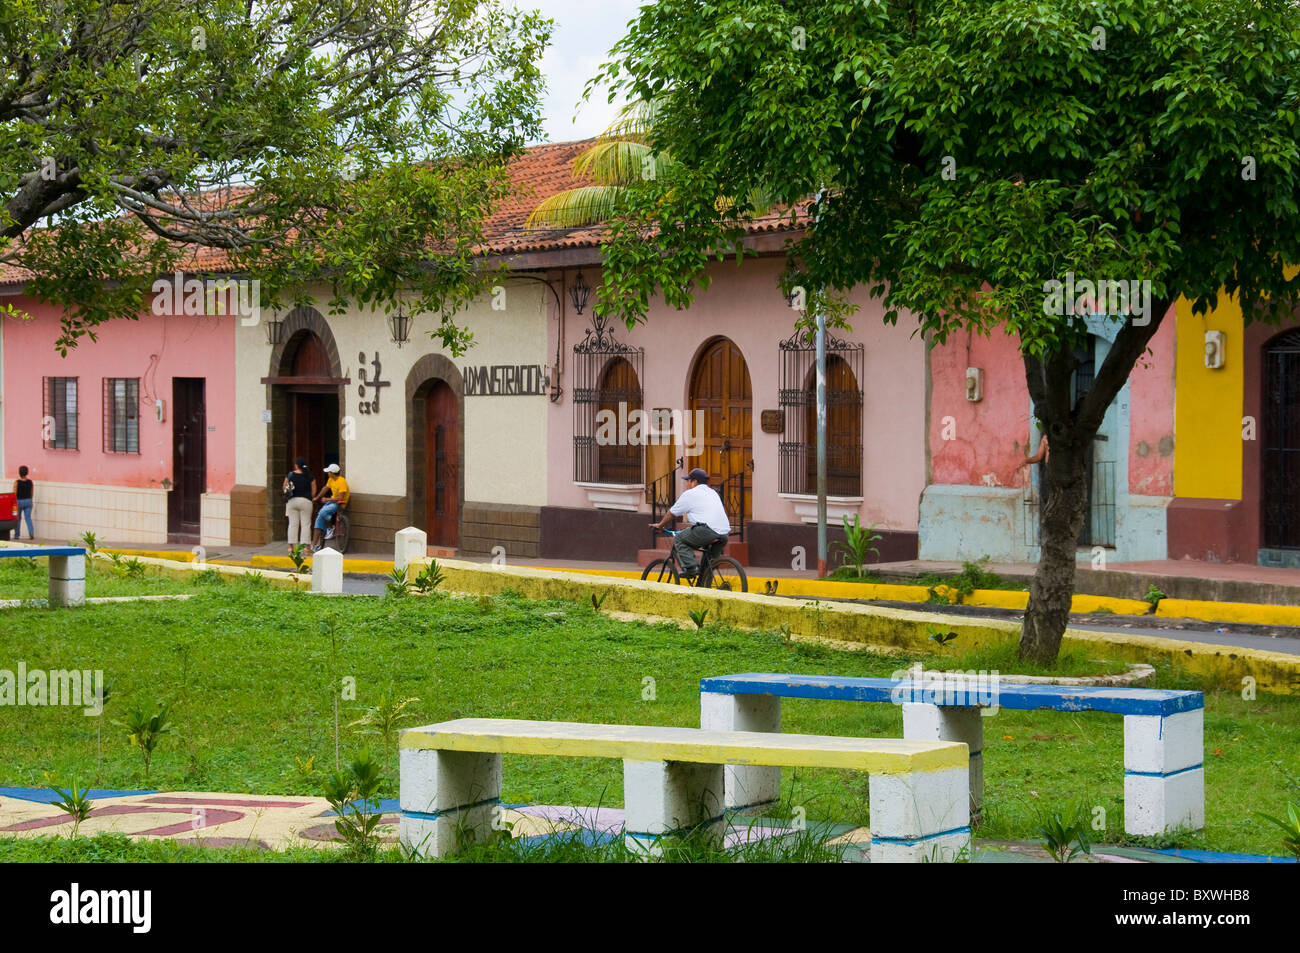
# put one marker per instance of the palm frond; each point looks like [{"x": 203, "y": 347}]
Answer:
[
  {"x": 616, "y": 163},
  {"x": 634, "y": 123},
  {"x": 574, "y": 208}
]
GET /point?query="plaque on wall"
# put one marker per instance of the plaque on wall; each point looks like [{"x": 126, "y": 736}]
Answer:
[{"x": 772, "y": 421}]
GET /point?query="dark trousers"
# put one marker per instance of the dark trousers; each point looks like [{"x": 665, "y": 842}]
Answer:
[{"x": 686, "y": 542}]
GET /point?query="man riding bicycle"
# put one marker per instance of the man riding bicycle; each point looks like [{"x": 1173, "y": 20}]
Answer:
[
  {"x": 336, "y": 491},
  {"x": 703, "y": 509}
]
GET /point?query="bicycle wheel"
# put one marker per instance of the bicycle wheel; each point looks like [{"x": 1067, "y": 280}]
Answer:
[
  {"x": 661, "y": 570},
  {"x": 727, "y": 574},
  {"x": 339, "y": 541}
]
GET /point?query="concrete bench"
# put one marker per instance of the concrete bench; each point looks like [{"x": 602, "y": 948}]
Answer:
[
  {"x": 67, "y": 570},
  {"x": 673, "y": 781},
  {"x": 1164, "y": 774}
]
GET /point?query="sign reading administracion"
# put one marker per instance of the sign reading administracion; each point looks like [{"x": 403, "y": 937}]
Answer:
[{"x": 505, "y": 380}]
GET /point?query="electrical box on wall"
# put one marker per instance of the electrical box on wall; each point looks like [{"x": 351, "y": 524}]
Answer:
[
  {"x": 1214, "y": 350},
  {"x": 974, "y": 383},
  {"x": 160, "y": 409}
]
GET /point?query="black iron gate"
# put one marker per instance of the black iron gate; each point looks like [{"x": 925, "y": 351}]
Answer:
[{"x": 1281, "y": 457}]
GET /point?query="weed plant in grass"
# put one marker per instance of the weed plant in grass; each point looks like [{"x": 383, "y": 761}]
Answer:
[{"x": 259, "y": 692}]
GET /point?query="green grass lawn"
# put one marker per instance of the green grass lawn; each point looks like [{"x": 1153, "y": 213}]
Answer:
[
  {"x": 30, "y": 579},
  {"x": 250, "y": 675}
]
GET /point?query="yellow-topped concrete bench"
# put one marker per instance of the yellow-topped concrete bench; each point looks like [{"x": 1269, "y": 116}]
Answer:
[{"x": 673, "y": 780}]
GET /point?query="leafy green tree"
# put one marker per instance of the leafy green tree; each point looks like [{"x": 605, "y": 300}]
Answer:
[
  {"x": 361, "y": 143},
  {"x": 966, "y": 153}
]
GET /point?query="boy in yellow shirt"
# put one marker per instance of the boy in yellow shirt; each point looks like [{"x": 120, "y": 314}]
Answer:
[{"x": 336, "y": 490}]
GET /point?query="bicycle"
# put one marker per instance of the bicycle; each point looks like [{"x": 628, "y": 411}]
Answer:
[
  {"x": 342, "y": 527},
  {"x": 716, "y": 570}
]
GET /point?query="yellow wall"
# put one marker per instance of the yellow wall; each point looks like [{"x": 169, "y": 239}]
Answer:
[{"x": 1209, "y": 405}]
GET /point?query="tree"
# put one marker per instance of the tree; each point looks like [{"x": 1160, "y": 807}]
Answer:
[
  {"x": 973, "y": 153},
  {"x": 358, "y": 142}
]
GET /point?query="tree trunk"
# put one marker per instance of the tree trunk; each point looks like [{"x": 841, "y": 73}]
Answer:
[
  {"x": 1062, "y": 509},
  {"x": 1070, "y": 427}
]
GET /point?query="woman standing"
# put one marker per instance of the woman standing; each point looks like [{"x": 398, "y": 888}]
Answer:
[
  {"x": 299, "y": 488},
  {"x": 23, "y": 490}
]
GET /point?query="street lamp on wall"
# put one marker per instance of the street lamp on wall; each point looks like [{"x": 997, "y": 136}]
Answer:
[
  {"x": 274, "y": 330},
  {"x": 579, "y": 292},
  {"x": 399, "y": 324}
]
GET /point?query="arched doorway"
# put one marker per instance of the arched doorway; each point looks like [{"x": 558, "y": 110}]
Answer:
[
  {"x": 620, "y": 394},
  {"x": 720, "y": 387},
  {"x": 312, "y": 406},
  {"x": 1280, "y": 463},
  {"x": 442, "y": 465},
  {"x": 843, "y": 429}
]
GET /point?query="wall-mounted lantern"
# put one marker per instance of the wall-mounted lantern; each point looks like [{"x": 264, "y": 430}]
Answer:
[
  {"x": 579, "y": 292},
  {"x": 399, "y": 325},
  {"x": 274, "y": 329}
]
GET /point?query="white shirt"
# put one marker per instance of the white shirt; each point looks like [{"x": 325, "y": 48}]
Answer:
[{"x": 701, "y": 504}]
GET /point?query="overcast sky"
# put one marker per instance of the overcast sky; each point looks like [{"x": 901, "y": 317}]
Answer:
[{"x": 584, "y": 32}]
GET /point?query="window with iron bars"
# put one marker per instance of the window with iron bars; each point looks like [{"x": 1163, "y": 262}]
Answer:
[
  {"x": 607, "y": 384},
  {"x": 121, "y": 415},
  {"x": 59, "y": 413},
  {"x": 798, "y": 399}
]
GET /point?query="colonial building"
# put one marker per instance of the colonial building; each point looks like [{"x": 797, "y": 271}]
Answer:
[{"x": 559, "y": 435}]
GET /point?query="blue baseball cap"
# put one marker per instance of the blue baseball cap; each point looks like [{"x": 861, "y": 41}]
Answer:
[{"x": 698, "y": 475}]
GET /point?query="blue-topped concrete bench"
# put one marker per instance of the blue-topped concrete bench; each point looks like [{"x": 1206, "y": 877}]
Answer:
[
  {"x": 67, "y": 570},
  {"x": 1164, "y": 775}
]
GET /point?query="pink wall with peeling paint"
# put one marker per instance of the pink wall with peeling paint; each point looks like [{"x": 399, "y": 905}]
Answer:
[
  {"x": 154, "y": 349},
  {"x": 991, "y": 437},
  {"x": 979, "y": 443},
  {"x": 1151, "y": 415}
]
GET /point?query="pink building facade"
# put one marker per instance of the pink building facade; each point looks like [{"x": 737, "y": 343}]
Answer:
[
  {"x": 130, "y": 437},
  {"x": 736, "y": 382}
]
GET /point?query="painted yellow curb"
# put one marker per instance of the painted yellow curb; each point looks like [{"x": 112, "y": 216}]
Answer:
[
  {"x": 349, "y": 565},
  {"x": 184, "y": 569},
  {"x": 905, "y": 629},
  {"x": 892, "y": 592},
  {"x": 1249, "y": 612},
  {"x": 174, "y": 555}
]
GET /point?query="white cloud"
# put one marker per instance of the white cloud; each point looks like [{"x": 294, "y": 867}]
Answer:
[{"x": 585, "y": 30}]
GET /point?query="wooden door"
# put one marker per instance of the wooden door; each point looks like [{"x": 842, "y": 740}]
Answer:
[
  {"x": 306, "y": 434},
  {"x": 720, "y": 388},
  {"x": 189, "y": 456},
  {"x": 442, "y": 466}
]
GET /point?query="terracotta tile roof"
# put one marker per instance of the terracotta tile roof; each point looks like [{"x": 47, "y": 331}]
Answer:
[{"x": 542, "y": 171}]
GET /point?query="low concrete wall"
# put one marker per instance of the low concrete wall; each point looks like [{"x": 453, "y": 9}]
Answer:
[{"x": 868, "y": 625}]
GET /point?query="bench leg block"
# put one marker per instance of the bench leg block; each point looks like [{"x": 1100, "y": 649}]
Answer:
[
  {"x": 924, "y": 816},
  {"x": 924, "y": 722},
  {"x": 747, "y": 787},
  {"x": 665, "y": 799},
  {"x": 1164, "y": 773},
  {"x": 1158, "y": 804},
  {"x": 67, "y": 580},
  {"x": 448, "y": 799}
]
